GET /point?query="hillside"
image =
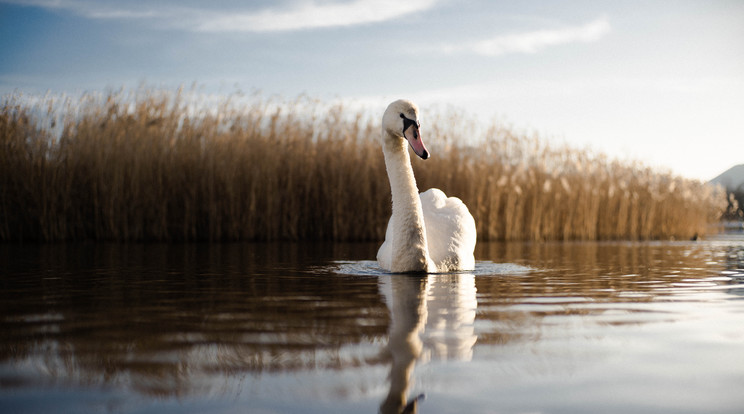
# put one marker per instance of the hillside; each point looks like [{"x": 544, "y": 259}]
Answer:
[{"x": 731, "y": 179}]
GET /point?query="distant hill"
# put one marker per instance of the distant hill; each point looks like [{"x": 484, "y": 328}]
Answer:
[{"x": 732, "y": 179}]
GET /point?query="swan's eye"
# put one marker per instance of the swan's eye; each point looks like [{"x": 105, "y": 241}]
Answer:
[{"x": 402, "y": 116}]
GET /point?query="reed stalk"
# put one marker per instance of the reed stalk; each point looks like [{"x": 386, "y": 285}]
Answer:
[{"x": 149, "y": 165}]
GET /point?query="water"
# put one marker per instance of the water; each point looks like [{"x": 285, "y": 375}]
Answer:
[{"x": 319, "y": 328}]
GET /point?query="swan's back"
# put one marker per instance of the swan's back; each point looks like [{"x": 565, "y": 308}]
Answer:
[{"x": 450, "y": 231}]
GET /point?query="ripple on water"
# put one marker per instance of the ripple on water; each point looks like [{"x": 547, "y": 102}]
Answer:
[{"x": 482, "y": 268}]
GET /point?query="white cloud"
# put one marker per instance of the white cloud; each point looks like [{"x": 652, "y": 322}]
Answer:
[
  {"x": 532, "y": 42},
  {"x": 306, "y": 14},
  {"x": 315, "y": 15}
]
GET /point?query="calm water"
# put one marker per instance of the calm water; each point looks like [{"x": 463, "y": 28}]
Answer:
[{"x": 318, "y": 328}]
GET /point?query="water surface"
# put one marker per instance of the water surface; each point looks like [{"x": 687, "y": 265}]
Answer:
[{"x": 620, "y": 327}]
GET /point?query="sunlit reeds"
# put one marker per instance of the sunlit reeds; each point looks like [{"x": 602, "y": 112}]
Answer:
[
  {"x": 521, "y": 188},
  {"x": 151, "y": 165}
]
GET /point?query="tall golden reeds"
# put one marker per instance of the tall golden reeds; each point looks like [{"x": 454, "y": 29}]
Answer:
[{"x": 150, "y": 165}]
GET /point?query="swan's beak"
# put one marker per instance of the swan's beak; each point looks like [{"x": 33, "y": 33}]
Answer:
[{"x": 414, "y": 138}]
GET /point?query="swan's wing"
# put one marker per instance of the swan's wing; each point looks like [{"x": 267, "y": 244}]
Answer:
[
  {"x": 385, "y": 253},
  {"x": 450, "y": 231}
]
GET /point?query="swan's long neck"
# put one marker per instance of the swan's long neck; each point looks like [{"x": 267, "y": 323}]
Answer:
[{"x": 409, "y": 248}]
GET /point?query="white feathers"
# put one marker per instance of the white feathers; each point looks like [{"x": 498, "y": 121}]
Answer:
[
  {"x": 426, "y": 233},
  {"x": 450, "y": 231}
]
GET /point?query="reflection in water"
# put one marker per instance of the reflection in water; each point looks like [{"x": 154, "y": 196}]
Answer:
[
  {"x": 451, "y": 303},
  {"x": 275, "y": 327},
  {"x": 408, "y": 310},
  {"x": 440, "y": 309},
  {"x": 163, "y": 320}
]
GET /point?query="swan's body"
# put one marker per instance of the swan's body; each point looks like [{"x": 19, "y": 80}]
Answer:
[{"x": 426, "y": 233}]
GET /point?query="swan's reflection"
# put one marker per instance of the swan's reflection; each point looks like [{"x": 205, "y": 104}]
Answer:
[{"x": 432, "y": 318}]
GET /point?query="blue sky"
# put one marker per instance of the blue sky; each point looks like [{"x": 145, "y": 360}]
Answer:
[{"x": 657, "y": 81}]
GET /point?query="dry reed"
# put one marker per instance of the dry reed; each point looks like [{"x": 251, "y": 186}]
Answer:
[{"x": 147, "y": 165}]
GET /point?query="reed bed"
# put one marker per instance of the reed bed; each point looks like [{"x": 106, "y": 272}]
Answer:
[{"x": 150, "y": 165}]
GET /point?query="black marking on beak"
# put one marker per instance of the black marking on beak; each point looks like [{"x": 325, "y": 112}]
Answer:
[{"x": 409, "y": 122}]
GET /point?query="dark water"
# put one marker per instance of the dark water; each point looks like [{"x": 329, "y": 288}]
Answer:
[{"x": 318, "y": 328}]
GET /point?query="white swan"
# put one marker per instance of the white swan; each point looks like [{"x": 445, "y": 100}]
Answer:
[{"x": 431, "y": 233}]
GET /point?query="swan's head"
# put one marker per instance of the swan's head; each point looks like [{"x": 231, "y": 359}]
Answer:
[{"x": 401, "y": 121}]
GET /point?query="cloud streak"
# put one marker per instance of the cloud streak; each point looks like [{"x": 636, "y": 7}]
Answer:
[
  {"x": 533, "y": 42},
  {"x": 303, "y": 15},
  {"x": 315, "y": 15}
]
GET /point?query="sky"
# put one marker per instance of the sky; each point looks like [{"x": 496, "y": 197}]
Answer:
[{"x": 661, "y": 82}]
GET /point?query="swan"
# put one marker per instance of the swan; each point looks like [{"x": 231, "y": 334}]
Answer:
[{"x": 429, "y": 232}]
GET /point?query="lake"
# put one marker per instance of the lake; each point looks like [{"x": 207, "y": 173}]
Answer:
[{"x": 575, "y": 327}]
